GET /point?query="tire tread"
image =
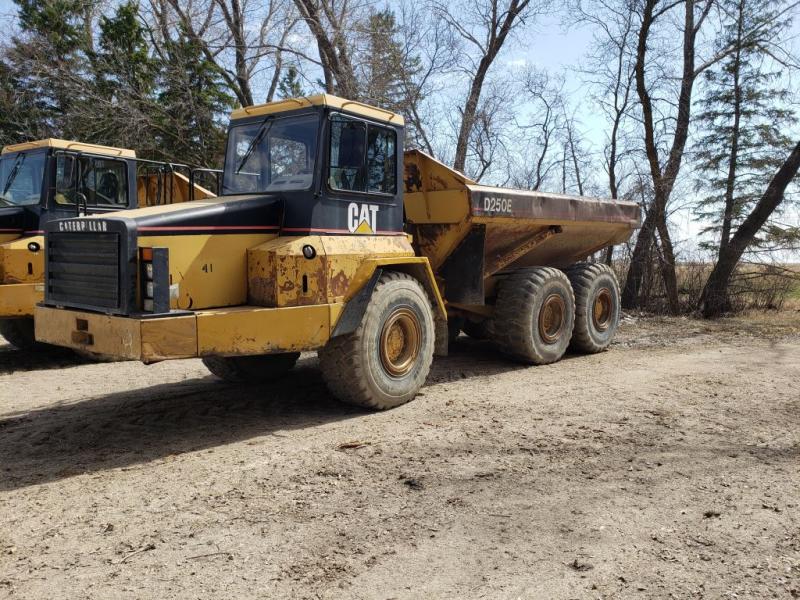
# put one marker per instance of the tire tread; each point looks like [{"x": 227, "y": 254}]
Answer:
[
  {"x": 341, "y": 364},
  {"x": 511, "y": 321},
  {"x": 581, "y": 276}
]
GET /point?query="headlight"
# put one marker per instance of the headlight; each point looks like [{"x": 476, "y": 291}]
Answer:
[{"x": 154, "y": 280}]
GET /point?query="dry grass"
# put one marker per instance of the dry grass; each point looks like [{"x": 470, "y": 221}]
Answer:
[{"x": 753, "y": 287}]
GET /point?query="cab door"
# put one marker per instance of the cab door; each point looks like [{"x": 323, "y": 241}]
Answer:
[{"x": 88, "y": 185}]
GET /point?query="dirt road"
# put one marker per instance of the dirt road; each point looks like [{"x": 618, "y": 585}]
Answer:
[{"x": 668, "y": 466}]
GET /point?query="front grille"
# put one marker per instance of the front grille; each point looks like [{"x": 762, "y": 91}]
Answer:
[{"x": 83, "y": 270}]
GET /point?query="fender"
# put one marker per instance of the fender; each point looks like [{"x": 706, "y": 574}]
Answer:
[{"x": 370, "y": 272}]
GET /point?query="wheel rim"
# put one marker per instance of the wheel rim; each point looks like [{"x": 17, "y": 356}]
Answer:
[
  {"x": 602, "y": 309},
  {"x": 400, "y": 342},
  {"x": 551, "y": 318}
]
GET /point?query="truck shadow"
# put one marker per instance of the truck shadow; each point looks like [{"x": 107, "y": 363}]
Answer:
[
  {"x": 47, "y": 357},
  {"x": 147, "y": 423}
]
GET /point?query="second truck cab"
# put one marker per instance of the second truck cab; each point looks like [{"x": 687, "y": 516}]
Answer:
[{"x": 48, "y": 180}]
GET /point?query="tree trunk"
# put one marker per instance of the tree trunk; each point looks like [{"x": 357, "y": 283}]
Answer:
[
  {"x": 638, "y": 268},
  {"x": 663, "y": 180},
  {"x": 730, "y": 183},
  {"x": 468, "y": 115},
  {"x": 575, "y": 165},
  {"x": 669, "y": 275},
  {"x": 715, "y": 293},
  {"x": 242, "y": 74},
  {"x": 499, "y": 25},
  {"x": 336, "y": 66}
]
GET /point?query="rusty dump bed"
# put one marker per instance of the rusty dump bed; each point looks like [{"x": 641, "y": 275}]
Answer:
[{"x": 461, "y": 225}]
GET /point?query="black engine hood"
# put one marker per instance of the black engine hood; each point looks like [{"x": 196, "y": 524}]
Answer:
[
  {"x": 235, "y": 214},
  {"x": 14, "y": 220}
]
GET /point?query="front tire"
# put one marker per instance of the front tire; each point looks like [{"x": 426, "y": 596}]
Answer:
[
  {"x": 534, "y": 315},
  {"x": 386, "y": 360},
  {"x": 251, "y": 369},
  {"x": 597, "y": 306},
  {"x": 19, "y": 333}
]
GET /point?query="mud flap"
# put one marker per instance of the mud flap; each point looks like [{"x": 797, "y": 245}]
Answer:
[
  {"x": 464, "y": 269},
  {"x": 354, "y": 310},
  {"x": 440, "y": 347}
]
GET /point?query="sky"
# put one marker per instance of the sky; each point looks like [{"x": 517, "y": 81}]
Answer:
[{"x": 549, "y": 46}]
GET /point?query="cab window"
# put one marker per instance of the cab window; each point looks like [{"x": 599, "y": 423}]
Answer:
[
  {"x": 381, "y": 161},
  {"x": 273, "y": 155},
  {"x": 102, "y": 182},
  {"x": 363, "y": 157},
  {"x": 348, "y": 145},
  {"x": 21, "y": 177}
]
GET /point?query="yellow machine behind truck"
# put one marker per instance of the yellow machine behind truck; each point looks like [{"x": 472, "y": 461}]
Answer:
[
  {"x": 52, "y": 179},
  {"x": 328, "y": 237}
]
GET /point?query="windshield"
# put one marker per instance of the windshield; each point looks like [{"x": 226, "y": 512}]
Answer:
[
  {"x": 276, "y": 154},
  {"x": 21, "y": 177}
]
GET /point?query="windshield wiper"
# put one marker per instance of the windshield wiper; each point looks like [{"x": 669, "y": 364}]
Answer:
[
  {"x": 266, "y": 124},
  {"x": 12, "y": 175}
]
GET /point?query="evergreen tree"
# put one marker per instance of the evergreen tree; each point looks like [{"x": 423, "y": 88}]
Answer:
[
  {"x": 49, "y": 58},
  {"x": 122, "y": 63},
  {"x": 290, "y": 85},
  {"x": 122, "y": 102},
  {"x": 16, "y": 122},
  {"x": 192, "y": 100},
  {"x": 61, "y": 23},
  {"x": 388, "y": 72},
  {"x": 743, "y": 119}
]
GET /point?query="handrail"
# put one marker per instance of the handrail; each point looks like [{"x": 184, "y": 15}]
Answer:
[
  {"x": 192, "y": 178},
  {"x": 163, "y": 190}
]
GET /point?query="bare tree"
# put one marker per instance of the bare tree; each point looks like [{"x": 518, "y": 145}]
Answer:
[
  {"x": 246, "y": 55},
  {"x": 431, "y": 43},
  {"x": 611, "y": 73},
  {"x": 483, "y": 26},
  {"x": 329, "y": 22},
  {"x": 542, "y": 132},
  {"x": 664, "y": 169},
  {"x": 575, "y": 157},
  {"x": 488, "y": 140}
]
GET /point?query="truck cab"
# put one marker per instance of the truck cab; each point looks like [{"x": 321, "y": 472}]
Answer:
[
  {"x": 48, "y": 180},
  {"x": 316, "y": 156}
]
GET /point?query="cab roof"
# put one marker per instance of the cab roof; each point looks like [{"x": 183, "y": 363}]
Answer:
[
  {"x": 350, "y": 106},
  {"x": 67, "y": 145}
]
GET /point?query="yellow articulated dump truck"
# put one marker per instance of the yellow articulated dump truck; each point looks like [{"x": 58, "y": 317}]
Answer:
[
  {"x": 328, "y": 237},
  {"x": 47, "y": 180}
]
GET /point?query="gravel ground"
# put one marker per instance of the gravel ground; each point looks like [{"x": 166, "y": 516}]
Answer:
[{"x": 666, "y": 467}]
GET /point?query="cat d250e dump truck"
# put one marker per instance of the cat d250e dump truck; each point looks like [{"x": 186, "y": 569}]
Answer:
[
  {"x": 329, "y": 237},
  {"x": 52, "y": 179}
]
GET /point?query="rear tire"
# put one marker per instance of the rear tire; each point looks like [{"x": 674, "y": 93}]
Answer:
[
  {"x": 20, "y": 333},
  {"x": 597, "y": 306},
  {"x": 251, "y": 369},
  {"x": 534, "y": 315},
  {"x": 386, "y": 360}
]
